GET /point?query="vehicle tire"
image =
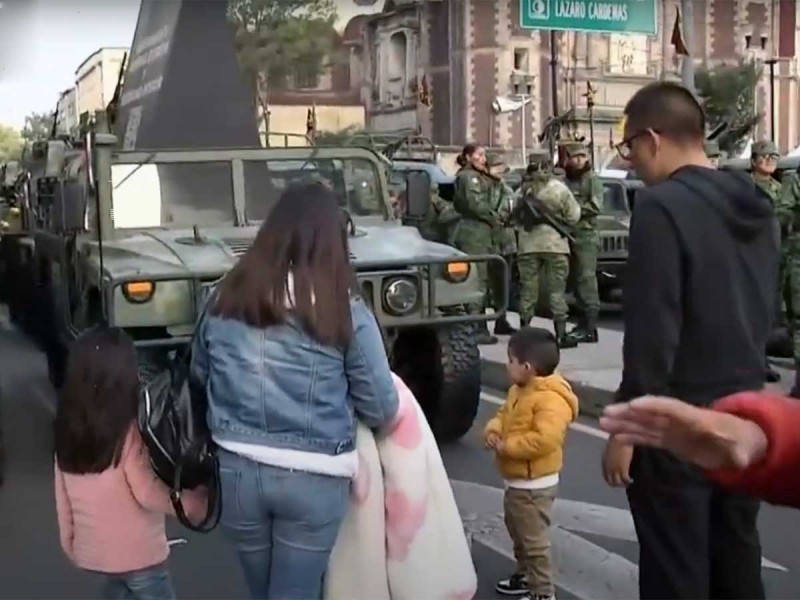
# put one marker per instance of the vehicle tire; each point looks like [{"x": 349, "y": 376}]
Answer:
[
  {"x": 442, "y": 367},
  {"x": 152, "y": 362},
  {"x": 779, "y": 344}
]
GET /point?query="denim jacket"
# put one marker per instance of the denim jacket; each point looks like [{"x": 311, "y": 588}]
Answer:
[{"x": 280, "y": 388}]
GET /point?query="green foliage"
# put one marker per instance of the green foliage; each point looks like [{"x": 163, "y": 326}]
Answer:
[
  {"x": 10, "y": 143},
  {"x": 279, "y": 39},
  {"x": 728, "y": 96},
  {"x": 37, "y": 126}
]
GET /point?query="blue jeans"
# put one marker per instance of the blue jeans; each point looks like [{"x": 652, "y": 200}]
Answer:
[
  {"x": 283, "y": 524},
  {"x": 152, "y": 583}
]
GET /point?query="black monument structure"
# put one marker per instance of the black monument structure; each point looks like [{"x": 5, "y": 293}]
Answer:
[{"x": 183, "y": 87}]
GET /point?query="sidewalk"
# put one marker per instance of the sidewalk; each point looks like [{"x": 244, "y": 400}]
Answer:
[{"x": 594, "y": 370}]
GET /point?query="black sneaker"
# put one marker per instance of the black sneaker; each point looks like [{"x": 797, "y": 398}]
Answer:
[{"x": 516, "y": 585}]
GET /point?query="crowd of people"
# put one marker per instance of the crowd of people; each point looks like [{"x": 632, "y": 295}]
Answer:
[{"x": 289, "y": 360}]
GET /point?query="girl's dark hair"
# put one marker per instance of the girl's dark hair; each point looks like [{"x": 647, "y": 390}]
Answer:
[
  {"x": 303, "y": 237},
  {"x": 466, "y": 152},
  {"x": 98, "y": 402}
]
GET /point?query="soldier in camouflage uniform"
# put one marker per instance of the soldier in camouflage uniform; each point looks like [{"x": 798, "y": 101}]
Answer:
[
  {"x": 473, "y": 201},
  {"x": 763, "y": 162},
  {"x": 588, "y": 191},
  {"x": 441, "y": 224},
  {"x": 712, "y": 152},
  {"x": 504, "y": 238},
  {"x": 544, "y": 251},
  {"x": 787, "y": 208}
]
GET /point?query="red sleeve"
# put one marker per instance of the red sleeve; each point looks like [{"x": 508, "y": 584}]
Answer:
[
  {"x": 776, "y": 478},
  {"x": 147, "y": 489}
]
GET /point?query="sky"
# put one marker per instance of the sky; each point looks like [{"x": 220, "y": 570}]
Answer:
[{"x": 42, "y": 43}]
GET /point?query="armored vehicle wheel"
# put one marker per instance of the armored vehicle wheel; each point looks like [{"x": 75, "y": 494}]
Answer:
[
  {"x": 443, "y": 368},
  {"x": 152, "y": 362},
  {"x": 779, "y": 343}
]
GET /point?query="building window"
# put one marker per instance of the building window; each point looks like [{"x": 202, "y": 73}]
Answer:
[
  {"x": 306, "y": 80},
  {"x": 521, "y": 60},
  {"x": 397, "y": 56}
]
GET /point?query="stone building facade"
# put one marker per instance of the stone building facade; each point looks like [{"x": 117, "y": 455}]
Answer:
[{"x": 469, "y": 52}]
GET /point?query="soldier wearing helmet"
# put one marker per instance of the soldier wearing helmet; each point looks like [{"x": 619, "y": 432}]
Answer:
[
  {"x": 712, "y": 152},
  {"x": 787, "y": 208},
  {"x": 542, "y": 249},
  {"x": 588, "y": 191},
  {"x": 504, "y": 237}
]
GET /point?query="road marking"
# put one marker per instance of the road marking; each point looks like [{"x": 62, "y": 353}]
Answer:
[
  {"x": 583, "y": 568},
  {"x": 582, "y": 427}
]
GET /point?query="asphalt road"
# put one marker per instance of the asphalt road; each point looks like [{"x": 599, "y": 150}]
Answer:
[{"x": 593, "y": 538}]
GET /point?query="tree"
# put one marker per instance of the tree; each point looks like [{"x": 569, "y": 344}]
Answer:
[
  {"x": 728, "y": 94},
  {"x": 37, "y": 126},
  {"x": 281, "y": 39},
  {"x": 10, "y": 143}
]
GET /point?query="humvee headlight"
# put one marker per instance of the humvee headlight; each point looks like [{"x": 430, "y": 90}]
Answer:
[
  {"x": 138, "y": 292},
  {"x": 400, "y": 296},
  {"x": 456, "y": 272}
]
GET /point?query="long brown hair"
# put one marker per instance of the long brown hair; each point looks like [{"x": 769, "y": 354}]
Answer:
[
  {"x": 463, "y": 159},
  {"x": 303, "y": 238},
  {"x": 98, "y": 402}
]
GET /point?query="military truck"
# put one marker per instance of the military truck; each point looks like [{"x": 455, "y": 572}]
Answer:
[{"x": 137, "y": 239}]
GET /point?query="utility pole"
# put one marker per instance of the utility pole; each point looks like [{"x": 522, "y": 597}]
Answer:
[
  {"x": 553, "y": 73},
  {"x": 687, "y": 67},
  {"x": 771, "y": 62},
  {"x": 590, "y": 106}
]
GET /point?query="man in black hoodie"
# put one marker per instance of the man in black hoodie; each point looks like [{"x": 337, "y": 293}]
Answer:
[{"x": 698, "y": 303}]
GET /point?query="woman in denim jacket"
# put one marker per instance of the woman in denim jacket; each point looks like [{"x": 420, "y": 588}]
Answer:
[{"x": 289, "y": 357}]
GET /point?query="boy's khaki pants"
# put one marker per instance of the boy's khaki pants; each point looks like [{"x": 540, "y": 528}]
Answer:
[{"x": 527, "y": 517}]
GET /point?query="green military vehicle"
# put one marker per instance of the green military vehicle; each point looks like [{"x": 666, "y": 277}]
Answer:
[{"x": 136, "y": 239}]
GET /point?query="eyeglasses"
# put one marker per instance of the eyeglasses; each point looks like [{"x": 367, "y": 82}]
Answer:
[
  {"x": 770, "y": 156},
  {"x": 624, "y": 148}
]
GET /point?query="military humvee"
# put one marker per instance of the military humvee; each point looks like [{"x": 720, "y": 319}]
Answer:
[{"x": 137, "y": 239}]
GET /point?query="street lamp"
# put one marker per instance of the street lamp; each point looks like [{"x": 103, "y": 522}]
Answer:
[
  {"x": 522, "y": 87},
  {"x": 771, "y": 62}
]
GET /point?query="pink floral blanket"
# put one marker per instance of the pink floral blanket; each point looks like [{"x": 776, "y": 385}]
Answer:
[{"x": 403, "y": 538}]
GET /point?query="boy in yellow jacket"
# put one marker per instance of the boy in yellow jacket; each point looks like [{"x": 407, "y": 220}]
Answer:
[{"x": 527, "y": 435}]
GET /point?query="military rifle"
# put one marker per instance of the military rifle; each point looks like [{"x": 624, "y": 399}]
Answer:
[{"x": 530, "y": 212}]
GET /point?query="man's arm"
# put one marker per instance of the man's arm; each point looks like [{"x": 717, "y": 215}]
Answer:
[{"x": 651, "y": 302}]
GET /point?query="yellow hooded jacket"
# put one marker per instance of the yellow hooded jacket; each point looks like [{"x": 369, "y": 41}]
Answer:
[{"x": 533, "y": 425}]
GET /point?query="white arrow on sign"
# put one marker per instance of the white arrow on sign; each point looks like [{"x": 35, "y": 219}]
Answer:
[{"x": 583, "y": 568}]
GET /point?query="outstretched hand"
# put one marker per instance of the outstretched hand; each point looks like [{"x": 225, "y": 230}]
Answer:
[{"x": 707, "y": 438}]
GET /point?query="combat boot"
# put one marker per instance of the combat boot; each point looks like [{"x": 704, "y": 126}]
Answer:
[
  {"x": 564, "y": 341},
  {"x": 585, "y": 332},
  {"x": 503, "y": 327},
  {"x": 484, "y": 338}
]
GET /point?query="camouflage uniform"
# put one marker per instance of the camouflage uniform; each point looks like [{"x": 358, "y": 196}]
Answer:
[
  {"x": 441, "y": 223},
  {"x": 787, "y": 208},
  {"x": 543, "y": 250},
  {"x": 504, "y": 242},
  {"x": 588, "y": 191},
  {"x": 472, "y": 200},
  {"x": 771, "y": 187}
]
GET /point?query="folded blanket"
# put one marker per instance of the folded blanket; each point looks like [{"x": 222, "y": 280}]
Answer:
[{"x": 402, "y": 538}]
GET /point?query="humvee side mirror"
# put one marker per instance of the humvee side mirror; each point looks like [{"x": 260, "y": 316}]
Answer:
[{"x": 418, "y": 194}]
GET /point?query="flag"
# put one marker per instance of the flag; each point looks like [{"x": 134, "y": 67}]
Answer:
[
  {"x": 425, "y": 92},
  {"x": 677, "y": 36}
]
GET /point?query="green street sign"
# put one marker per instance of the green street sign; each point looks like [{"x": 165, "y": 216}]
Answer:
[{"x": 620, "y": 16}]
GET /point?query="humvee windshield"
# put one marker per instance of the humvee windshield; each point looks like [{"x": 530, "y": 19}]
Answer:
[
  {"x": 354, "y": 181},
  {"x": 172, "y": 194},
  {"x": 615, "y": 201}
]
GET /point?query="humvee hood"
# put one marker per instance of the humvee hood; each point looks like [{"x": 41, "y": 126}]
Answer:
[{"x": 383, "y": 244}]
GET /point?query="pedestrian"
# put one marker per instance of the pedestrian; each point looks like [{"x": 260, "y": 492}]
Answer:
[
  {"x": 746, "y": 442},
  {"x": 504, "y": 240},
  {"x": 111, "y": 507},
  {"x": 527, "y": 435},
  {"x": 288, "y": 358},
  {"x": 543, "y": 250},
  {"x": 588, "y": 191},
  {"x": 697, "y": 308},
  {"x": 472, "y": 200},
  {"x": 787, "y": 208}
]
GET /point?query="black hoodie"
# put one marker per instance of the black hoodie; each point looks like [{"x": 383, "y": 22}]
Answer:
[{"x": 700, "y": 284}]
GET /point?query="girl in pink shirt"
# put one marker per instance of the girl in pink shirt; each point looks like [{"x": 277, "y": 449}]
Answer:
[{"x": 110, "y": 505}]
